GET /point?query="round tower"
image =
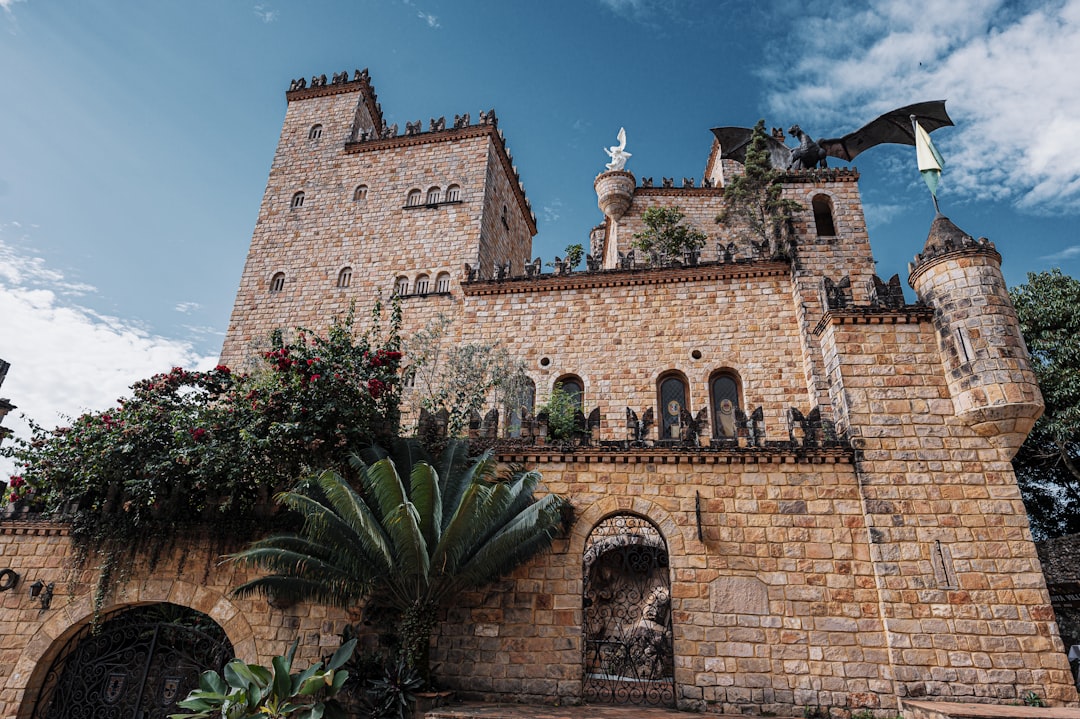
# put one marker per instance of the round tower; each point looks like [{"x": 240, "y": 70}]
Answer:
[{"x": 987, "y": 365}]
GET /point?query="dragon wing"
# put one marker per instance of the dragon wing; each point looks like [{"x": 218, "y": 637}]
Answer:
[
  {"x": 735, "y": 140},
  {"x": 893, "y": 127}
]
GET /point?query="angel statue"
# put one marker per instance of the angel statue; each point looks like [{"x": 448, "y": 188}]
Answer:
[{"x": 618, "y": 153}]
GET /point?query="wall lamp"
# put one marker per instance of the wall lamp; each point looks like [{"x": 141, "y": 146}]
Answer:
[{"x": 42, "y": 592}]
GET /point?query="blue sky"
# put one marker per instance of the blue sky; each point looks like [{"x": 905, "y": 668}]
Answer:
[{"x": 136, "y": 137}]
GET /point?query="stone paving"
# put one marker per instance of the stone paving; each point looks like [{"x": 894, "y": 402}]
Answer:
[{"x": 469, "y": 710}]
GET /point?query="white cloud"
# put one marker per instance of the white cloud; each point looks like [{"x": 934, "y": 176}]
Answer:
[
  {"x": 66, "y": 358},
  {"x": 552, "y": 211},
  {"x": 265, "y": 14},
  {"x": 881, "y": 214},
  {"x": 187, "y": 307},
  {"x": 431, "y": 20},
  {"x": 8, "y": 4},
  {"x": 1069, "y": 253},
  {"x": 1004, "y": 70}
]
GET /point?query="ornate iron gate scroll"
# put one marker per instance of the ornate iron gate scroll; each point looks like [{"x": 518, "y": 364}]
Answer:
[
  {"x": 627, "y": 609},
  {"x": 137, "y": 665}
]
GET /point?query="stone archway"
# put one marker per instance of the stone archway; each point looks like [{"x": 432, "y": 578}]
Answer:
[
  {"x": 629, "y": 657},
  {"x": 138, "y": 662}
]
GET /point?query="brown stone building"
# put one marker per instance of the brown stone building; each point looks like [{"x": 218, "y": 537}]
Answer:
[{"x": 841, "y": 528}]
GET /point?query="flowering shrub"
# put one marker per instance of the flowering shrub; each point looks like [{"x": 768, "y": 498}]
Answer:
[{"x": 187, "y": 446}]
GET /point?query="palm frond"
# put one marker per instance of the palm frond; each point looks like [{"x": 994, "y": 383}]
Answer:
[
  {"x": 528, "y": 534},
  {"x": 410, "y": 548},
  {"x": 382, "y": 482},
  {"x": 351, "y": 508},
  {"x": 425, "y": 495},
  {"x": 455, "y": 476}
]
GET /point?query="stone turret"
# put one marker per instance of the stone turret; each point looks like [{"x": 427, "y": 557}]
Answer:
[
  {"x": 614, "y": 192},
  {"x": 987, "y": 365}
]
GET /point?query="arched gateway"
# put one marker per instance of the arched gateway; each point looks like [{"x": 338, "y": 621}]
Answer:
[
  {"x": 627, "y": 610},
  {"x": 138, "y": 663}
]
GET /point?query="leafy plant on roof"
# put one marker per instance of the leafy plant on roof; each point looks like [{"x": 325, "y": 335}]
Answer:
[
  {"x": 754, "y": 206},
  {"x": 666, "y": 237}
]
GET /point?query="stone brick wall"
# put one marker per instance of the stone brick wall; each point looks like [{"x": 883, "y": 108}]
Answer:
[
  {"x": 962, "y": 595},
  {"x": 775, "y": 608},
  {"x": 189, "y": 575},
  {"x": 619, "y": 332}
]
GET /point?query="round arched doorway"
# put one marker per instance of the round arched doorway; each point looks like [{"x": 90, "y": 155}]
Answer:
[
  {"x": 627, "y": 611},
  {"x": 137, "y": 662}
]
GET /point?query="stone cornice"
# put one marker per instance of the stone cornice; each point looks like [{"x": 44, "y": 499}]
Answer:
[
  {"x": 906, "y": 315},
  {"x": 782, "y": 453},
  {"x": 626, "y": 278},
  {"x": 35, "y": 527},
  {"x": 451, "y": 135}
]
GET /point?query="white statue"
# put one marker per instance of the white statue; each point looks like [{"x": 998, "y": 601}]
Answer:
[{"x": 618, "y": 153}]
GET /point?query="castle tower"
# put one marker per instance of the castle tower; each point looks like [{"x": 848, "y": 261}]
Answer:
[
  {"x": 986, "y": 363},
  {"x": 355, "y": 211}
]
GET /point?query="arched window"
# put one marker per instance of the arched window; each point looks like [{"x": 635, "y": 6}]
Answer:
[
  {"x": 421, "y": 287},
  {"x": 401, "y": 286},
  {"x": 413, "y": 199},
  {"x": 360, "y": 193},
  {"x": 433, "y": 195},
  {"x": 724, "y": 397},
  {"x": 453, "y": 193},
  {"x": 823, "y": 216},
  {"x": 344, "y": 278},
  {"x": 277, "y": 282},
  {"x": 315, "y": 132},
  {"x": 297, "y": 200},
  {"x": 503, "y": 218},
  {"x": 572, "y": 385},
  {"x": 520, "y": 403},
  {"x": 672, "y": 391},
  {"x": 442, "y": 282}
]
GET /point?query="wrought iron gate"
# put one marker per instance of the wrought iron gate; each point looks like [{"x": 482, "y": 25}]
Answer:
[
  {"x": 137, "y": 665},
  {"x": 627, "y": 603}
]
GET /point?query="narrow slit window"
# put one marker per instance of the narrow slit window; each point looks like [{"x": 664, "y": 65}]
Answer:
[
  {"x": 941, "y": 558},
  {"x": 963, "y": 346}
]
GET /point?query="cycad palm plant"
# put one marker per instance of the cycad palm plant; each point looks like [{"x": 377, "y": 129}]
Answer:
[{"x": 412, "y": 536}]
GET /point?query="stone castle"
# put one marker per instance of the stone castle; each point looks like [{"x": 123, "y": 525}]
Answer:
[{"x": 839, "y": 528}]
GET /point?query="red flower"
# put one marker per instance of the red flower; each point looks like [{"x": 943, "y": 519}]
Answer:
[
  {"x": 223, "y": 369},
  {"x": 198, "y": 433},
  {"x": 375, "y": 387},
  {"x": 17, "y": 480}
]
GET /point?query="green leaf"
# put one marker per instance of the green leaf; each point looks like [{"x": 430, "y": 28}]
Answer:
[{"x": 342, "y": 654}]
